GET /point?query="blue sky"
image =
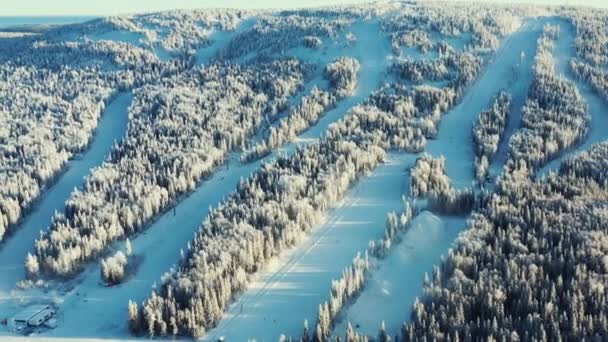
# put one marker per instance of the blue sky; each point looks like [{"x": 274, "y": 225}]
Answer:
[{"x": 107, "y": 7}]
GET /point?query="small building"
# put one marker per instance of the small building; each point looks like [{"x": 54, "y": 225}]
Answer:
[
  {"x": 41, "y": 317},
  {"x": 33, "y": 316}
]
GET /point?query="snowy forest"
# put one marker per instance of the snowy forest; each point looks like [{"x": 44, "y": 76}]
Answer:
[{"x": 394, "y": 171}]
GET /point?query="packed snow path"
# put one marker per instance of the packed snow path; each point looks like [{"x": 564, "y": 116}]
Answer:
[
  {"x": 598, "y": 131},
  {"x": 220, "y": 40},
  {"x": 371, "y": 50},
  {"x": 518, "y": 86},
  {"x": 111, "y": 127},
  {"x": 300, "y": 278},
  {"x": 393, "y": 287},
  {"x": 454, "y": 140}
]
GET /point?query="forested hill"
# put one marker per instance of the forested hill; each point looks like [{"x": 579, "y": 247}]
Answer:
[{"x": 390, "y": 171}]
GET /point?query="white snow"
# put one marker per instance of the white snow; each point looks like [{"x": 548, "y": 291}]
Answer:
[
  {"x": 220, "y": 39},
  {"x": 371, "y": 50},
  {"x": 564, "y": 51},
  {"x": 431, "y": 236},
  {"x": 160, "y": 244},
  {"x": 394, "y": 285},
  {"x": 454, "y": 140},
  {"x": 517, "y": 86}
]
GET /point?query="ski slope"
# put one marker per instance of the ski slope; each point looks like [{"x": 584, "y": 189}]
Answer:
[
  {"x": 398, "y": 279},
  {"x": 111, "y": 127},
  {"x": 454, "y": 139},
  {"x": 598, "y": 131},
  {"x": 290, "y": 289}
]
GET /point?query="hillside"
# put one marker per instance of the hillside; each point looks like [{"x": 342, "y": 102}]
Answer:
[{"x": 391, "y": 171}]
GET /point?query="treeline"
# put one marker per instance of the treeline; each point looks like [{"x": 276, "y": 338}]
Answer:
[
  {"x": 174, "y": 31},
  {"x": 488, "y": 132},
  {"x": 591, "y": 35},
  {"x": 555, "y": 115},
  {"x": 419, "y": 71},
  {"x": 428, "y": 176},
  {"x": 342, "y": 75},
  {"x": 46, "y": 117},
  {"x": 595, "y": 76},
  {"x": 485, "y": 24},
  {"x": 180, "y": 130}
]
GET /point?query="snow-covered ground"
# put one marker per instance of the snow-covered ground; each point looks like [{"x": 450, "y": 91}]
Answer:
[
  {"x": 290, "y": 285},
  {"x": 431, "y": 236},
  {"x": 517, "y": 86},
  {"x": 392, "y": 287},
  {"x": 220, "y": 39},
  {"x": 454, "y": 140},
  {"x": 371, "y": 50},
  {"x": 564, "y": 51},
  {"x": 159, "y": 246},
  {"x": 290, "y": 289},
  {"x": 112, "y": 126}
]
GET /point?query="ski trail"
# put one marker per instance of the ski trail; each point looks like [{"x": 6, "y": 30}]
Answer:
[
  {"x": 294, "y": 255},
  {"x": 454, "y": 139},
  {"x": 518, "y": 88},
  {"x": 300, "y": 278},
  {"x": 220, "y": 40},
  {"x": 598, "y": 130},
  {"x": 111, "y": 127}
]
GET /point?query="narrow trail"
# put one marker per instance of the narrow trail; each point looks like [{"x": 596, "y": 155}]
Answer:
[
  {"x": 563, "y": 53},
  {"x": 397, "y": 280},
  {"x": 111, "y": 127},
  {"x": 220, "y": 40},
  {"x": 518, "y": 87},
  {"x": 454, "y": 140}
]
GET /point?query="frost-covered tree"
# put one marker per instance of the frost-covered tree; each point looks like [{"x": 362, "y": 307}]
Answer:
[
  {"x": 113, "y": 268},
  {"x": 488, "y": 132}
]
